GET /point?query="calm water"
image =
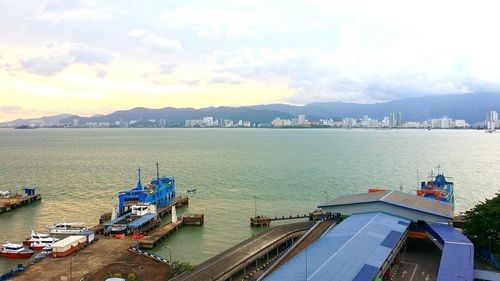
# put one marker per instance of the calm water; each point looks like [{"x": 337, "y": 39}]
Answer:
[{"x": 79, "y": 172}]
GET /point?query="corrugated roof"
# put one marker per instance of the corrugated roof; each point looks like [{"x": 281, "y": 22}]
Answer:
[
  {"x": 457, "y": 260},
  {"x": 68, "y": 240},
  {"x": 397, "y": 198},
  {"x": 140, "y": 221},
  {"x": 111, "y": 222},
  {"x": 353, "y": 250}
]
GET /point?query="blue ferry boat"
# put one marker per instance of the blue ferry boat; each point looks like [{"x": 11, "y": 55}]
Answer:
[
  {"x": 159, "y": 192},
  {"x": 437, "y": 188}
]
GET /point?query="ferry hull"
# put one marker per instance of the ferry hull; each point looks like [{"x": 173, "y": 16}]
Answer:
[
  {"x": 38, "y": 248},
  {"x": 17, "y": 255}
]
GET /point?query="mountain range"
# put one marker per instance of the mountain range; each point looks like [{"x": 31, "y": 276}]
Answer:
[{"x": 471, "y": 107}]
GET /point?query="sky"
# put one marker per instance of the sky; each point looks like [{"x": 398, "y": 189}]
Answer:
[{"x": 94, "y": 57}]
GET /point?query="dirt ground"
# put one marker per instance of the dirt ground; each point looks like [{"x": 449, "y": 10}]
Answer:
[{"x": 97, "y": 261}]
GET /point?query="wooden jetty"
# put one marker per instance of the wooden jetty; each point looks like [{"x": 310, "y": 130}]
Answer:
[
  {"x": 179, "y": 201},
  {"x": 193, "y": 219},
  {"x": 260, "y": 221},
  {"x": 16, "y": 201},
  {"x": 160, "y": 234}
]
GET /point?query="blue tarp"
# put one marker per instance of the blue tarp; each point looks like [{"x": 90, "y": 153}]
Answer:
[
  {"x": 141, "y": 220},
  {"x": 457, "y": 260},
  {"x": 352, "y": 250}
]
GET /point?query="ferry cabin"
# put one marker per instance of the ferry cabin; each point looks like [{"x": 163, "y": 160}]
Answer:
[{"x": 160, "y": 192}]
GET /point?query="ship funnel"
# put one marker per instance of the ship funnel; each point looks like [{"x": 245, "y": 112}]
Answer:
[{"x": 174, "y": 215}]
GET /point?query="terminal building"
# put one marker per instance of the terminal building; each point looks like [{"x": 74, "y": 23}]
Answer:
[{"x": 386, "y": 235}]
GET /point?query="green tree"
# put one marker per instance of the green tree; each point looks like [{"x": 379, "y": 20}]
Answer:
[
  {"x": 484, "y": 224},
  {"x": 180, "y": 267},
  {"x": 131, "y": 277}
]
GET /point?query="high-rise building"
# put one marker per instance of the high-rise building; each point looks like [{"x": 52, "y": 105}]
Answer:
[
  {"x": 301, "y": 119},
  {"x": 492, "y": 116},
  {"x": 395, "y": 120},
  {"x": 492, "y": 120}
]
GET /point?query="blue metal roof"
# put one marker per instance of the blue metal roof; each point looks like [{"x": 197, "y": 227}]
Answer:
[
  {"x": 111, "y": 222},
  {"x": 396, "y": 198},
  {"x": 353, "y": 250},
  {"x": 141, "y": 220},
  {"x": 457, "y": 260}
]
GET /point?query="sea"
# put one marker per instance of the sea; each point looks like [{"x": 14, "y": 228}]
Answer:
[{"x": 236, "y": 173}]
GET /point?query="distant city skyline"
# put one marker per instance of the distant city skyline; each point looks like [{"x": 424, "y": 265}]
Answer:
[{"x": 87, "y": 57}]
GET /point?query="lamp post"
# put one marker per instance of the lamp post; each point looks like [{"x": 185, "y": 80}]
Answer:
[
  {"x": 326, "y": 193},
  {"x": 255, "y": 206}
]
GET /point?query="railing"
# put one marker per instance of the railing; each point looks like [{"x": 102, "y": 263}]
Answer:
[{"x": 487, "y": 256}]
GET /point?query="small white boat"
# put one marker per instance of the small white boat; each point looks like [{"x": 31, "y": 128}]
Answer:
[
  {"x": 38, "y": 241},
  {"x": 67, "y": 228}
]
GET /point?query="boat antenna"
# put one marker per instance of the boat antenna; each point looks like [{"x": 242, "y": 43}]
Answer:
[
  {"x": 139, "y": 185},
  {"x": 157, "y": 174},
  {"x": 418, "y": 183},
  {"x": 255, "y": 201}
]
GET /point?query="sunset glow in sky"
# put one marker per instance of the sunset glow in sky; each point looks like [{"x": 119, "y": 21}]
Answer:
[{"x": 95, "y": 57}]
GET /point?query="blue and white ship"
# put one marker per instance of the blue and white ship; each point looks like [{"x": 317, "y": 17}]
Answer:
[
  {"x": 159, "y": 192},
  {"x": 437, "y": 188}
]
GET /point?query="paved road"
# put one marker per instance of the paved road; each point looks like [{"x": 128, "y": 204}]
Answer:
[
  {"x": 231, "y": 258},
  {"x": 421, "y": 261}
]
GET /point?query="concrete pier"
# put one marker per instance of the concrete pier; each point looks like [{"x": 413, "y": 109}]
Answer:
[
  {"x": 159, "y": 235},
  {"x": 16, "y": 201},
  {"x": 194, "y": 219}
]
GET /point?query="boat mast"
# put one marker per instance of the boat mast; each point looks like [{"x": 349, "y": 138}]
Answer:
[
  {"x": 418, "y": 183},
  {"x": 157, "y": 174},
  {"x": 139, "y": 184}
]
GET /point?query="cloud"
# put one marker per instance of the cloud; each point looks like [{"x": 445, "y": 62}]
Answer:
[
  {"x": 10, "y": 109},
  {"x": 101, "y": 73},
  {"x": 7, "y": 67},
  {"x": 246, "y": 19},
  {"x": 57, "y": 11},
  {"x": 90, "y": 55},
  {"x": 224, "y": 80},
  {"x": 46, "y": 66},
  {"x": 68, "y": 54},
  {"x": 168, "y": 68},
  {"x": 194, "y": 82},
  {"x": 156, "y": 43}
]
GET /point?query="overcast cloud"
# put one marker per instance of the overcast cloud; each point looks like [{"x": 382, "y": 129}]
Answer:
[{"x": 354, "y": 51}]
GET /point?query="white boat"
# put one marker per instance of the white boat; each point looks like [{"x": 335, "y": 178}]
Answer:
[
  {"x": 12, "y": 250},
  {"x": 67, "y": 228},
  {"x": 38, "y": 241}
]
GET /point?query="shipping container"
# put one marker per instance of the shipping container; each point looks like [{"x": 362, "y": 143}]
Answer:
[{"x": 68, "y": 245}]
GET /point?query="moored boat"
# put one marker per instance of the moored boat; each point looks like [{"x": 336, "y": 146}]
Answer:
[
  {"x": 437, "y": 188},
  {"x": 67, "y": 228},
  {"x": 43, "y": 244},
  {"x": 17, "y": 251},
  {"x": 39, "y": 238}
]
